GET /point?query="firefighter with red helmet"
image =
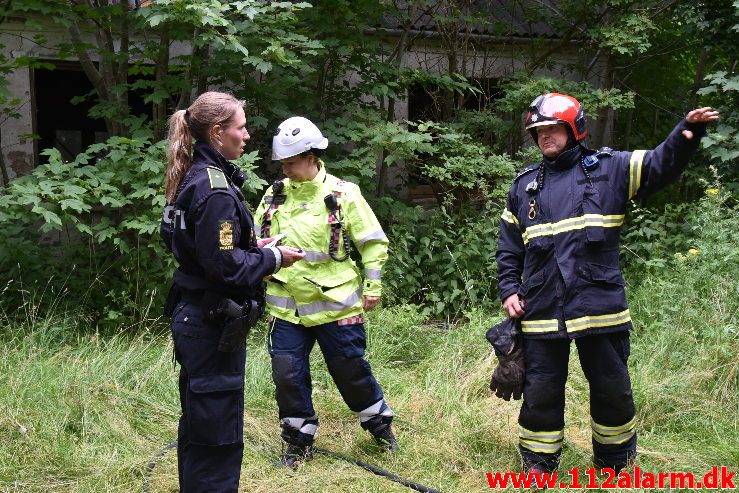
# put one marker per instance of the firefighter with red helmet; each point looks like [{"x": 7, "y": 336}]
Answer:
[{"x": 559, "y": 274}]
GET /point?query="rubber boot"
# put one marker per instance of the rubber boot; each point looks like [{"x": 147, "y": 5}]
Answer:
[
  {"x": 294, "y": 455},
  {"x": 379, "y": 427},
  {"x": 299, "y": 447}
]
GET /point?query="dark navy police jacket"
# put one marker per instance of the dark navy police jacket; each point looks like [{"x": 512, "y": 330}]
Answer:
[
  {"x": 211, "y": 233},
  {"x": 559, "y": 246}
]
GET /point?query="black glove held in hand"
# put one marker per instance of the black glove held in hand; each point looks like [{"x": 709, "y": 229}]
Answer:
[{"x": 508, "y": 376}]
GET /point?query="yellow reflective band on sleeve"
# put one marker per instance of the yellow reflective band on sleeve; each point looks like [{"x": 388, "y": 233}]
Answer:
[
  {"x": 588, "y": 322},
  {"x": 635, "y": 167},
  {"x": 509, "y": 217},
  {"x": 541, "y": 441},
  {"x": 613, "y": 435},
  {"x": 536, "y": 326},
  {"x": 573, "y": 223}
]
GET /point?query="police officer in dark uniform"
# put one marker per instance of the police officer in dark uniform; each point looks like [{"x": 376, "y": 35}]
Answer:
[
  {"x": 218, "y": 290},
  {"x": 559, "y": 273}
]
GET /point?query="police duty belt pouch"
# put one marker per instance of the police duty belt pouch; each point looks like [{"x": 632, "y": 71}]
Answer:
[
  {"x": 239, "y": 321},
  {"x": 508, "y": 376}
]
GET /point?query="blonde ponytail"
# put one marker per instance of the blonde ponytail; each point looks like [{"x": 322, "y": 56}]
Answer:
[
  {"x": 179, "y": 157},
  {"x": 209, "y": 109}
]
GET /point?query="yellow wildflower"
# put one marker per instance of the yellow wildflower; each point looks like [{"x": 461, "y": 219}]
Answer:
[
  {"x": 712, "y": 191},
  {"x": 694, "y": 251}
]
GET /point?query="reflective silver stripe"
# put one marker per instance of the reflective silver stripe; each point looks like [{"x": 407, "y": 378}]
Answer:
[
  {"x": 278, "y": 258},
  {"x": 612, "y": 430},
  {"x": 298, "y": 424},
  {"x": 377, "y": 235},
  {"x": 329, "y": 306},
  {"x": 311, "y": 256},
  {"x": 541, "y": 441},
  {"x": 550, "y": 325},
  {"x": 613, "y": 440},
  {"x": 540, "y": 447},
  {"x": 588, "y": 322},
  {"x": 571, "y": 224},
  {"x": 281, "y": 302},
  {"x": 509, "y": 217},
  {"x": 257, "y": 230},
  {"x": 543, "y": 436},
  {"x": 635, "y": 167},
  {"x": 375, "y": 274},
  {"x": 374, "y": 410}
]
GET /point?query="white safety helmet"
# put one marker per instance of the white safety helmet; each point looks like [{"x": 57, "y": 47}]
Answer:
[{"x": 295, "y": 136}]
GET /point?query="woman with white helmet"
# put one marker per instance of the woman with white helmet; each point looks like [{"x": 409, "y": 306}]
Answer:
[{"x": 324, "y": 297}]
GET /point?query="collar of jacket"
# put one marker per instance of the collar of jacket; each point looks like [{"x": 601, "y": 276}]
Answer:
[
  {"x": 310, "y": 186},
  {"x": 566, "y": 159},
  {"x": 206, "y": 152}
]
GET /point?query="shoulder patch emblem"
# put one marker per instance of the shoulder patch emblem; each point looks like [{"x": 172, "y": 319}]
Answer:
[
  {"x": 217, "y": 179},
  {"x": 526, "y": 170},
  {"x": 604, "y": 151},
  {"x": 226, "y": 235}
]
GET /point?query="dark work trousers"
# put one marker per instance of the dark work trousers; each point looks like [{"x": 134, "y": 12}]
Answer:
[
  {"x": 541, "y": 421},
  {"x": 211, "y": 430},
  {"x": 343, "y": 350}
]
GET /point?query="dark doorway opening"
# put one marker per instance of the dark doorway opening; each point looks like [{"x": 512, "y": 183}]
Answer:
[{"x": 64, "y": 125}]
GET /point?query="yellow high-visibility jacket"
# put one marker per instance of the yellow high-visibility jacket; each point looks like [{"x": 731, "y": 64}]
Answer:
[{"x": 319, "y": 289}]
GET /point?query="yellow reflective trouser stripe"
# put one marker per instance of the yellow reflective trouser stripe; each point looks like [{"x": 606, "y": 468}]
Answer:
[
  {"x": 590, "y": 321},
  {"x": 613, "y": 434},
  {"x": 571, "y": 224},
  {"x": 509, "y": 217},
  {"x": 539, "y": 325},
  {"x": 635, "y": 167},
  {"x": 540, "y": 441}
]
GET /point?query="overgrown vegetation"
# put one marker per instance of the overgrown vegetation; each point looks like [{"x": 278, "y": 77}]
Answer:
[
  {"x": 86, "y": 412},
  {"x": 88, "y": 227}
]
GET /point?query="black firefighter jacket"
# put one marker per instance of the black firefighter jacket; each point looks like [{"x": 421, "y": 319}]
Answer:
[{"x": 559, "y": 245}]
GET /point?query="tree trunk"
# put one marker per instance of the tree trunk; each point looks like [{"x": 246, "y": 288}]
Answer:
[
  {"x": 161, "y": 70},
  {"x": 390, "y": 115},
  {"x": 604, "y": 113},
  {"x": 697, "y": 81},
  {"x": 3, "y": 168}
]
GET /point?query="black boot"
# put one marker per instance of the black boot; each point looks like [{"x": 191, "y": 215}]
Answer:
[
  {"x": 294, "y": 455},
  {"x": 379, "y": 427},
  {"x": 299, "y": 447}
]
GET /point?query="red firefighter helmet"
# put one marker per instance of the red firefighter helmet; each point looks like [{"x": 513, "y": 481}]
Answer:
[{"x": 553, "y": 108}]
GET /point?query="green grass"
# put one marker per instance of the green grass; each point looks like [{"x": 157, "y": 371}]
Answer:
[{"x": 85, "y": 412}]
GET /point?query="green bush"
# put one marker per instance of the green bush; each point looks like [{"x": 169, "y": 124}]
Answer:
[
  {"x": 444, "y": 262},
  {"x": 90, "y": 228}
]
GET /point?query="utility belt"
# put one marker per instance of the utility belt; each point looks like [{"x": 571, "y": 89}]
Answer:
[{"x": 238, "y": 318}]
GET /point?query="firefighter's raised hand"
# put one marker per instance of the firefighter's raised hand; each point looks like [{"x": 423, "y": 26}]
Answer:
[
  {"x": 513, "y": 306},
  {"x": 700, "y": 115}
]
